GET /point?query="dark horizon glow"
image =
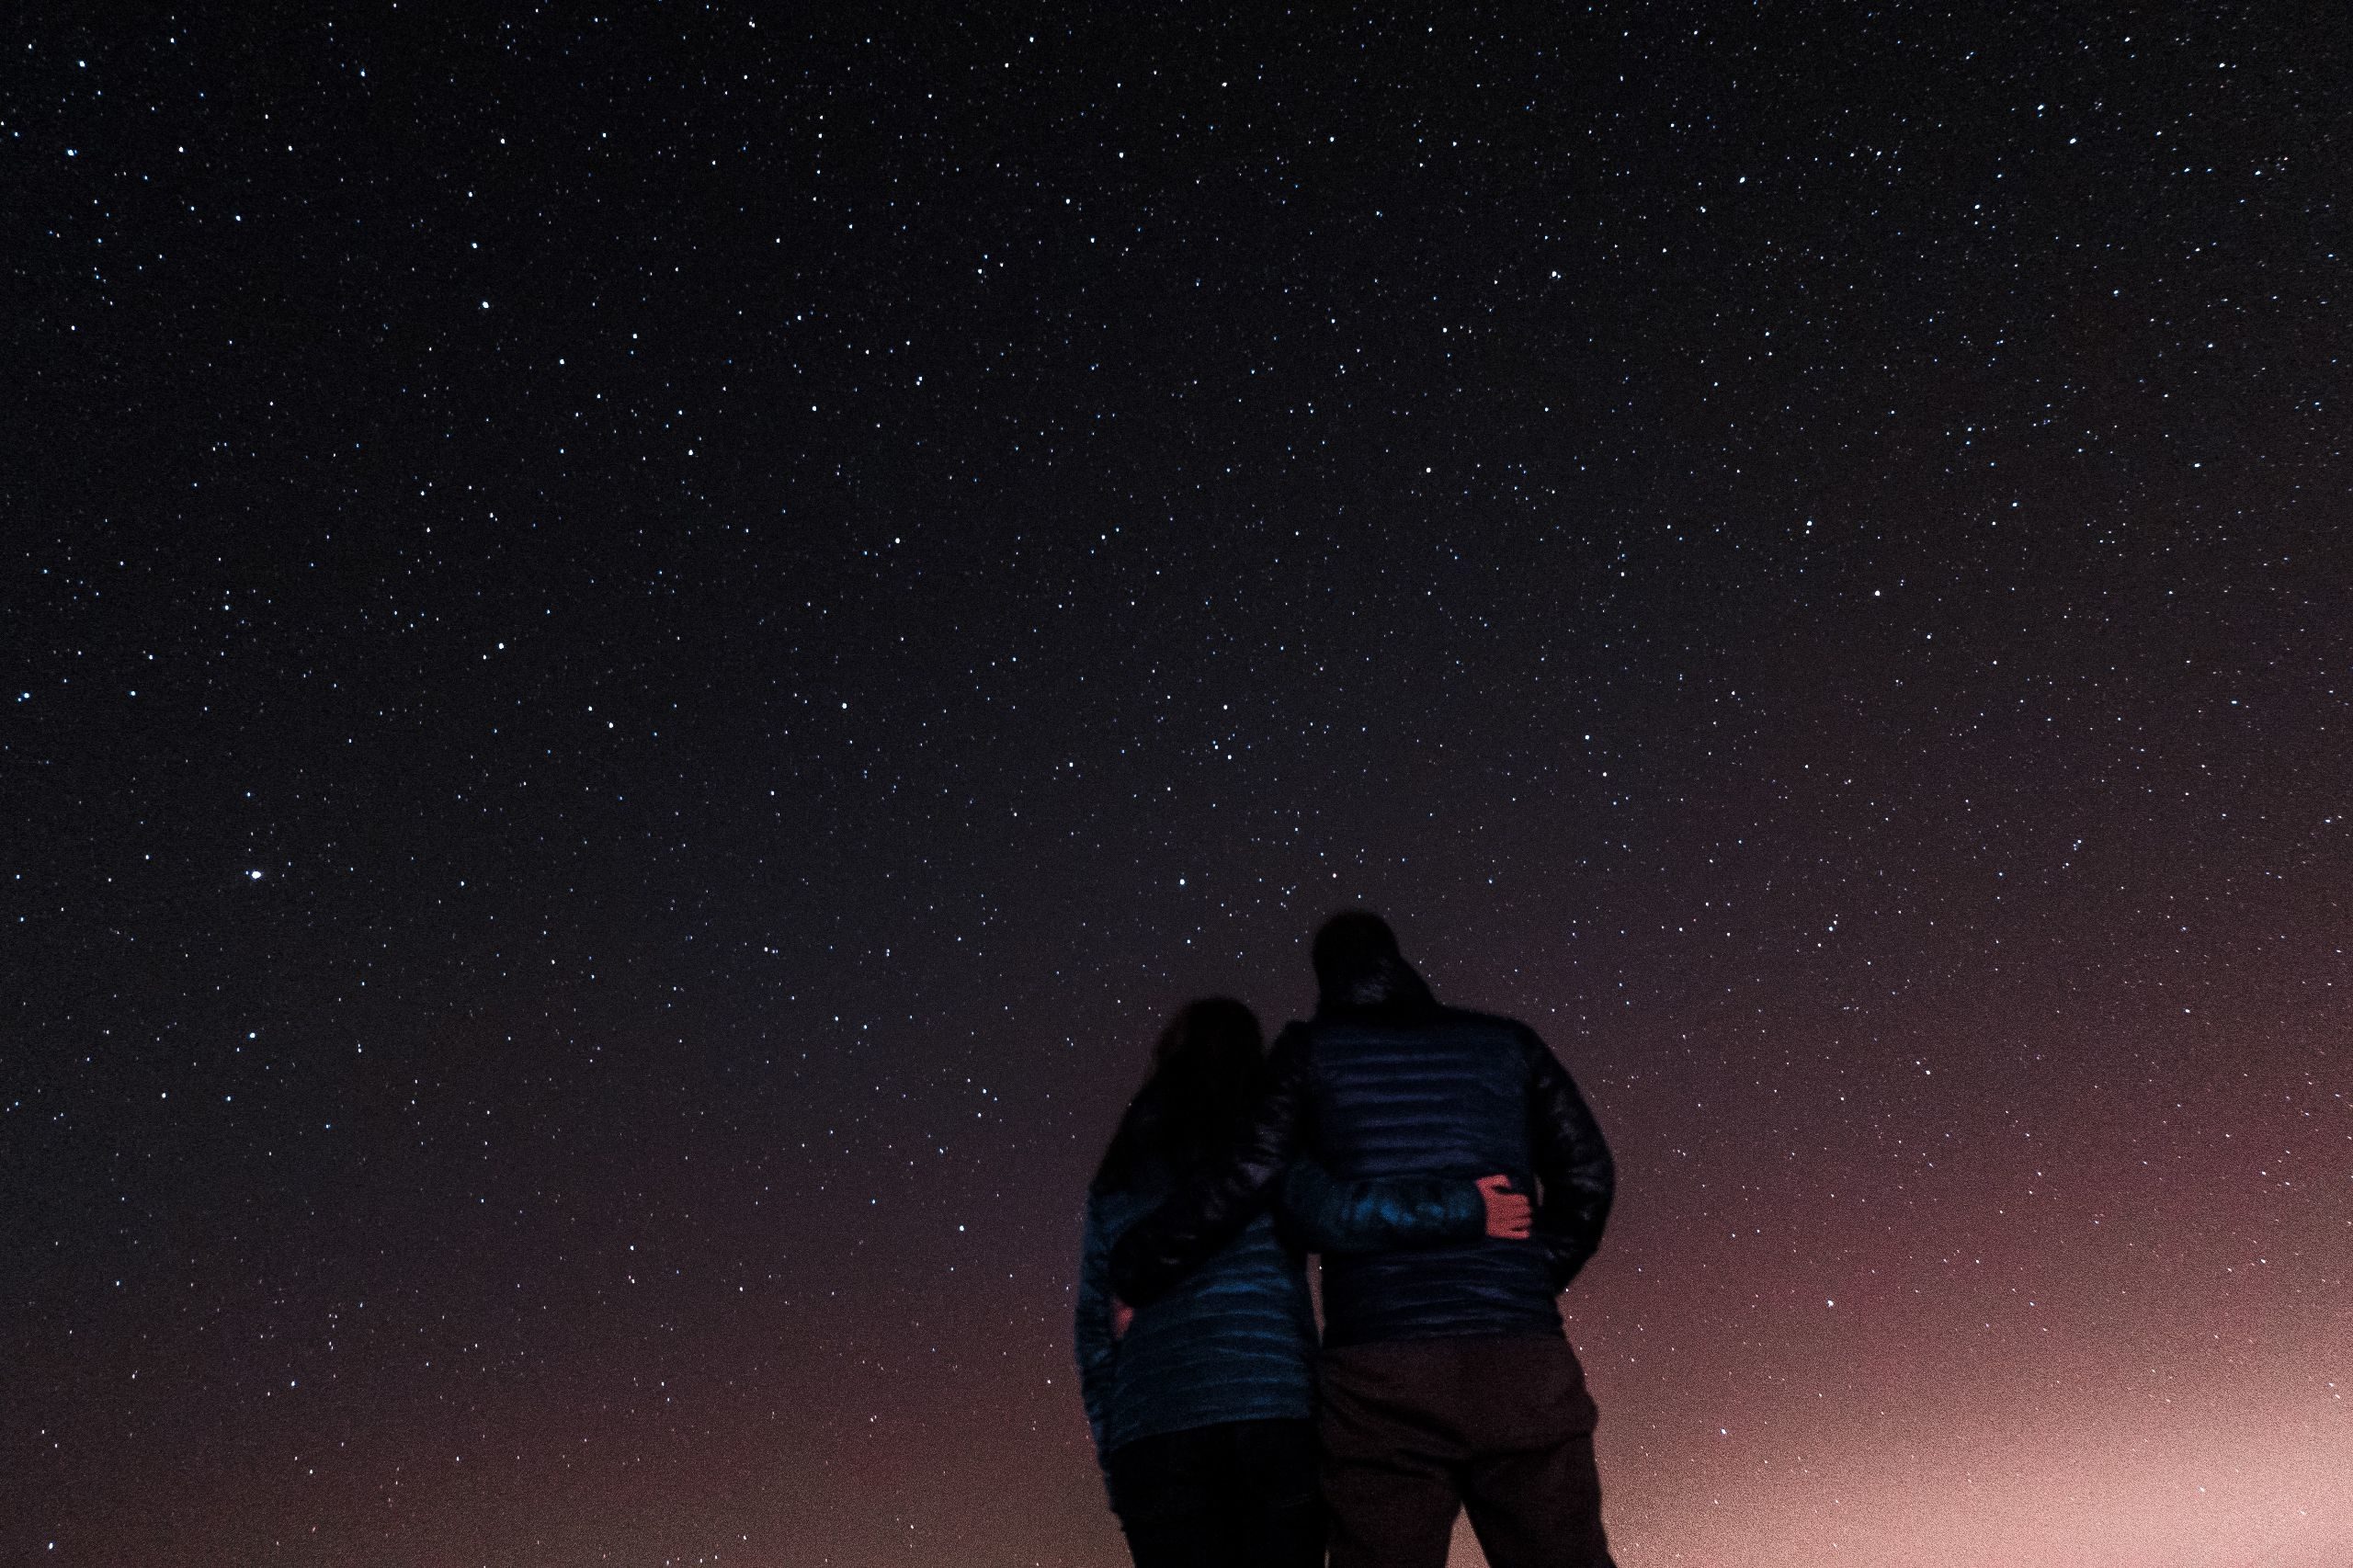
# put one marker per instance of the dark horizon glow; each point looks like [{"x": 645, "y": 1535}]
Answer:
[{"x": 647, "y": 651}]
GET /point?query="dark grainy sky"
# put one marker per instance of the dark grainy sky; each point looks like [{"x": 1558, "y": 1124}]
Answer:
[{"x": 645, "y": 648}]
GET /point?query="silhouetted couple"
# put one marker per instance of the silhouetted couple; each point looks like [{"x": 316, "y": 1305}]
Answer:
[{"x": 1402, "y": 1140}]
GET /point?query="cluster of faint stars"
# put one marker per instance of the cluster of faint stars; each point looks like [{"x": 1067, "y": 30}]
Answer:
[{"x": 745, "y": 609}]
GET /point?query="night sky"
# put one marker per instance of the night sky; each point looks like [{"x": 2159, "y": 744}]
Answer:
[{"x": 642, "y": 651}]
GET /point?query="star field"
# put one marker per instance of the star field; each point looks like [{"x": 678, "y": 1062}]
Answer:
[{"x": 645, "y": 648}]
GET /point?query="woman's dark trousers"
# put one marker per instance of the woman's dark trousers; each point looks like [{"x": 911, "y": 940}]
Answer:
[{"x": 1240, "y": 1495}]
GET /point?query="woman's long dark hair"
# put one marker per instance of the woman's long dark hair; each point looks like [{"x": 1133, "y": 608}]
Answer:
[{"x": 1206, "y": 1078}]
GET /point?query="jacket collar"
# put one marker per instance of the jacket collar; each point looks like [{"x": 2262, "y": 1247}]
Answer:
[{"x": 1390, "y": 986}]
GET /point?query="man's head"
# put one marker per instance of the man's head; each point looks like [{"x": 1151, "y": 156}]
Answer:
[{"x": 1353, "y": 946}]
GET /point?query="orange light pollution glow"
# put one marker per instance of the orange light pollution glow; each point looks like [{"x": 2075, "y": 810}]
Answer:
[{"x": 2115, "y": 1352}]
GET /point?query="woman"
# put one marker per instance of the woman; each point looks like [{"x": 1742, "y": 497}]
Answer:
[{"x": 1203, "y": 1408}]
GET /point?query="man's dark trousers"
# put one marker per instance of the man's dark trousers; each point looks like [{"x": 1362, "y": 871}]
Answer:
[{"x": 1501, "y": 1426}]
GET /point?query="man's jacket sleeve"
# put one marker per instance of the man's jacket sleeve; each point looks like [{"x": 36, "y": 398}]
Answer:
[
  {"x": 1322, "y": 1214},
  {"x": 1575, "y": 1178},
  {"x": 1202, "y": 1215}
]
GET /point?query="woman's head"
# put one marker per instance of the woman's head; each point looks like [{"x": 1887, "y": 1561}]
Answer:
[
  {"x": 1196, "y": 1104},
  {"x": 1209, "y": 1048}
]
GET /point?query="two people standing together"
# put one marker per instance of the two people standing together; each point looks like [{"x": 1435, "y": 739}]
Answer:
[{"x": 1445, "y": 1167}]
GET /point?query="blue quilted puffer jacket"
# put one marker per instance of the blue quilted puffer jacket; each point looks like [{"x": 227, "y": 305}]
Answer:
[
  {"x": 1385, "y": 1084},
  {"x": 1444, "y": 1094},
  {"x": 1234, "y": 1340}
]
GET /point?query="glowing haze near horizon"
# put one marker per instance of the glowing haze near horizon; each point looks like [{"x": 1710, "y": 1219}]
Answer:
[{"x": 644, "y": 652}]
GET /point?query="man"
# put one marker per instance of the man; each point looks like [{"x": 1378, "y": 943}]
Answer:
[{"x": 1447, "y": 1382}]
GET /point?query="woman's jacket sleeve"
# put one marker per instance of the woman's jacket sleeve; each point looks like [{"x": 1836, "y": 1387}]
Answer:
[{"x": 1091, "y": 1337}]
